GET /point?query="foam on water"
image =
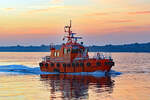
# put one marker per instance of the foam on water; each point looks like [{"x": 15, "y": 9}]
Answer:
[
  {"x": 20, "y": 69},
  {"x": 114, "y": 73},
  {"x": 24, "y": 70}
]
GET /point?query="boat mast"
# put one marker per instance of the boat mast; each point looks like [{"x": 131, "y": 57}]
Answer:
[
  {"x": 70, "y": 35},
  {"x": 68, "y": 30}
]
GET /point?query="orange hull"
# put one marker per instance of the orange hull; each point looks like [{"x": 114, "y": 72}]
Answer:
[{"x": 90, "y": 65}]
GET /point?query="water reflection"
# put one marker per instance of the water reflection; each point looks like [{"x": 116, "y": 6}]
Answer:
[{"x": 76, "y": 86}]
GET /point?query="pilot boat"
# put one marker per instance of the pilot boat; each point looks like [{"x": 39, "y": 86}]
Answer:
[{"x": 73, "y": 57}]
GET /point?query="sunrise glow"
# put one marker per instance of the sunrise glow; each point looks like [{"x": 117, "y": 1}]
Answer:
[{"x": 100, "y": 22}]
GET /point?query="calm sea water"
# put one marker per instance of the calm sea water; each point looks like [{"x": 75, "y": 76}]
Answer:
[{"x": 21, "y": 79}]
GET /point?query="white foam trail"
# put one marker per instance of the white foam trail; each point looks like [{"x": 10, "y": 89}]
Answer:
[
  {"x": 24, "y": 70},
  {"x": 20, "y": 69}
]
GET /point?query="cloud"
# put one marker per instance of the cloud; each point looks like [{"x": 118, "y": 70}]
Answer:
[
  {"x": 45, "y": 10},
  {"x": 139, "y": 12},
  {"x": 38, "y": 10},
  {"x": 130, "y": 29},
  {"x": 97, "y": 14},
  {"x": 121, "y": 21},
  {"x": 130, "y": 13},
  {"x": 57, "y": 1},
  {"x": 8, "y": 9}
]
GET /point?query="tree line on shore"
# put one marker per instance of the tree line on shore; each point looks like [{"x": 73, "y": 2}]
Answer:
[{"x": 134, "y": 47}]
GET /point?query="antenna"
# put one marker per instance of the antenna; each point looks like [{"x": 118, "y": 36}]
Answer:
[
  {"x": 70, "y": 35},
  {"x": 70, "y": 23}
]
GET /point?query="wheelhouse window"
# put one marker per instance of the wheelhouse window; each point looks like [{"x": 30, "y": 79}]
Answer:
[
  {"x": 68, "y": 50},
  {"x": 65, "y": 50},
  {"x": 55, "y": 54},
  {"x": 75, "y": 51}
]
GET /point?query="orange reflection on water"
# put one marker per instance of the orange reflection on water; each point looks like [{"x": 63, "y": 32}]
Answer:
[{"x": 75, "y": 86}]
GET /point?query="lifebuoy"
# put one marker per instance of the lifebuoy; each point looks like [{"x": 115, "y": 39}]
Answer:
[
  {"x": 88, "y": 64},
  {"x": 98, "y": 64},
  {"x": 82, "y": 64},
  {"x": 52, "y": 64},
  {"x": 40, "y": 64},
  {"x": 46, "y": 65},
  {"x": 64, "y": 65}
]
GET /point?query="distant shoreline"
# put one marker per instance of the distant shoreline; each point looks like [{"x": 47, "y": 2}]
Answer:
[
  {"x": 89, "y": 51},
  {"x": 133, "y": 48}
]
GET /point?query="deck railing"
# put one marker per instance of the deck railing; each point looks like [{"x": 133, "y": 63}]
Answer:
[
  {"x": 101, "y": 55},
  {"x": 47, "y": 58}
]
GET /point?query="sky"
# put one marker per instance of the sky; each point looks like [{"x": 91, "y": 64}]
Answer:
[{"x": 99, "y": 22}]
